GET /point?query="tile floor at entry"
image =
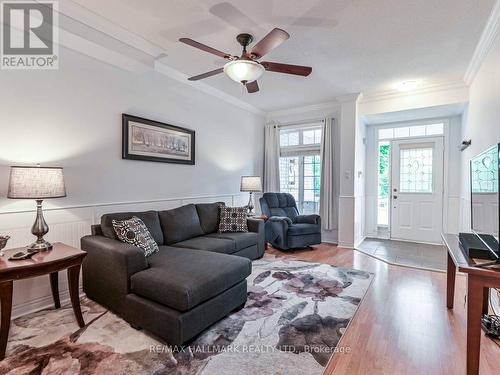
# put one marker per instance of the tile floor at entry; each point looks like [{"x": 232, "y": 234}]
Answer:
[{"x": 406, "y": 253}]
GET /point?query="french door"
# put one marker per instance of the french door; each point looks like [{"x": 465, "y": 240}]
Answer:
[{"x": 417, "y": 189}]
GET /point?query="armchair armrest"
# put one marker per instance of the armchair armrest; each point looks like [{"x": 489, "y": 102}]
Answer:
[
  {"x": 108, "y": 266},
  {"x": 308, "y": 219},
  {"x": 277, "y": 229},
  {"x": 282, "y": 219}
]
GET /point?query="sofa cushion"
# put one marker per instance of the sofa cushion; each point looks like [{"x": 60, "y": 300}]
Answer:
[
  {"x": 180, "y": 224},
  {"x": 217, "y": 245},
  {"x": 134, "y": 232},
  {"x": 241, "y": 239},
  {"x": 209, "y": 216},
  {"x": 149, "y": 218},
  {"x": 183, "y": 278},
  {"x": 299, "y": 229}
]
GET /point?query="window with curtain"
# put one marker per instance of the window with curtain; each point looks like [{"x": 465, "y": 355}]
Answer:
[{"x": 300, "y": 165}]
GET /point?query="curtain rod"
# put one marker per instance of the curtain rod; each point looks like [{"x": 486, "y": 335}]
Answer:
[{"x": 304, "y": 122}]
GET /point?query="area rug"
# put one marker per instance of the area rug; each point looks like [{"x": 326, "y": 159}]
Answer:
[{"x": 292, "y": 322}]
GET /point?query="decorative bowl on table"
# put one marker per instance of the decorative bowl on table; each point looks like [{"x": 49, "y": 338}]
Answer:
[{"x": 3, "y": 243}]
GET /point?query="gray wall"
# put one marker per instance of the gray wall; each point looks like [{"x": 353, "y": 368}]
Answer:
[{"x": 72, "y": 118}]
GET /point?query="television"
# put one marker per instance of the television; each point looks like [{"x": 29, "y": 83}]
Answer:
[{"x": 484, "y": 188}]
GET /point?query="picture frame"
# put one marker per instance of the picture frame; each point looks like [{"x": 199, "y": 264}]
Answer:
[{"x": 149, "y": 140}]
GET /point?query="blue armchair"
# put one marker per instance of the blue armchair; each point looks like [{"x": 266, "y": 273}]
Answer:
[{"x": 285, "y": 228}]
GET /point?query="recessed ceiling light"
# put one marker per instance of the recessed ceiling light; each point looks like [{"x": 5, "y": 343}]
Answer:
[{"x": 406, "y": 86}]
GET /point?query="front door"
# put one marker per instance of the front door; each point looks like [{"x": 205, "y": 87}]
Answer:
[{"x": 417, "y": 189}]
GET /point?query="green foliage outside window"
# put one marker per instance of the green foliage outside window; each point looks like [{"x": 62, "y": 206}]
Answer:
[{"x": 383, "y": 182}]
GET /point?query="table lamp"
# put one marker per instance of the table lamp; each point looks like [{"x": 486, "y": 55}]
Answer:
[
  {"x": 37, "y": 183},
  {"x": 251, "y": 184}
]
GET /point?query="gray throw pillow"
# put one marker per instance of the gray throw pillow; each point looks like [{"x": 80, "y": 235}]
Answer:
[
  {"x": 233, "y": 219},
  {"x": 133, "y": 231}
]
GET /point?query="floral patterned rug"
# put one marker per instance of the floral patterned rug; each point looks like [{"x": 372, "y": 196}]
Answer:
[{"x": 295, "y": 315}]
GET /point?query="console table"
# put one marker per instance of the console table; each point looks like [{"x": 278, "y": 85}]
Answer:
[
  {"x": 479, "y": 280},
  {"x": 61, "y": 257}
]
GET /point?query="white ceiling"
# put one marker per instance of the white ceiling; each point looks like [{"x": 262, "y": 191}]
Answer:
[{"x": 353, "y": 45}]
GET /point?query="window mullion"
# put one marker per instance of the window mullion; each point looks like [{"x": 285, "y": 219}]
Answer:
[{"x": 301, "y": 183}]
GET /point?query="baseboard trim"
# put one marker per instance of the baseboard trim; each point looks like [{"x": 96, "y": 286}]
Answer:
[
  {"x": 346, "y": 245},
  {"x": 40, "y": 303},
  {"x": 330, "y": 242}
]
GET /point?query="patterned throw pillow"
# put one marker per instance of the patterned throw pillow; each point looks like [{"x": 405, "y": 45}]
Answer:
[
  {"x": 233, "y": 219},
  {"x": 133, "y": 231}
]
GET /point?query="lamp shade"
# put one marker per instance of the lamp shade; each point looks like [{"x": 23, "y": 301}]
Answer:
[
  {"x": 251, "y": 183},
  {"x": 36, "y": 183},
  {"x": 244, "y": 70}
]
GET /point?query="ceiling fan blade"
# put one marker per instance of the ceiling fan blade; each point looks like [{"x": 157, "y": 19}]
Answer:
[
  {"x": 203, "y": 47},
  {"x": 298, "y": 70},
  {"x": 269, "y": 42},
  {"x": 252, "y": 87},
  {"x": 206, "y": 75}
]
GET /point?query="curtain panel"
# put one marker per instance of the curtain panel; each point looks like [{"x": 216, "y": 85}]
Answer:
[
  {"x": 271, "y": 158},
  {"x": 328, "y": 203}
]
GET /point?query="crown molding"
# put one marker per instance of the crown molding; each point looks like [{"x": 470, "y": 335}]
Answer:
[
  {"x": 97, "y": 23},
  {"x": 85, "y": 16},
  {"x": 332, "y": 105},
  {"x": 394, "y": 94},
  {"x": 486, "y": 41},
  {"x": 349, "y": 97}
]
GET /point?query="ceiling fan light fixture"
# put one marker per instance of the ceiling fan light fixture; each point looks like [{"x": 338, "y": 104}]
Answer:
[{"x": 244, "y": 71}]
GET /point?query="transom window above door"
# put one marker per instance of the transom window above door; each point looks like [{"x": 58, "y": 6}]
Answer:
[{"x": 411, "y": 131}]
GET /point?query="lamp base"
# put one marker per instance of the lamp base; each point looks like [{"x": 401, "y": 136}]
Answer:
[
  {"x": 40, "y": 246},
  {"x": 39, "y": 229},
  {"x": 250, "y": 205}
]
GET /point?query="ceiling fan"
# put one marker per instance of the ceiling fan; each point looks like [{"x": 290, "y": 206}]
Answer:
[{"x": 246, "y": 69}]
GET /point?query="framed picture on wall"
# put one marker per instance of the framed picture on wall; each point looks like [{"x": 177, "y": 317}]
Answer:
[{"x": 150, "y": 140}]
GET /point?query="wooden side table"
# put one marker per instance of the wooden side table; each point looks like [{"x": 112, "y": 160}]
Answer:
[
  {"x": 50, "y": 262},
  {"x": 478, "y": 282}
]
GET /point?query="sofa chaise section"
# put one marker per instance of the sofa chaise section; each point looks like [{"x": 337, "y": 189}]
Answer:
[{"x": 197, "y": 277}]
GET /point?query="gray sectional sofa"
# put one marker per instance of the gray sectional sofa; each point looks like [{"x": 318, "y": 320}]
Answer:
[{"x": 197, "y": 277}]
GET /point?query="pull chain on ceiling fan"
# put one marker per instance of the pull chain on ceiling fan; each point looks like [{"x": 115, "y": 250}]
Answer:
[{"x": 246, "y": 69}]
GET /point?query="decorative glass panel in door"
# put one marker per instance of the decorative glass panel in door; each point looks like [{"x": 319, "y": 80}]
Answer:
[{"x": 416, "y": 170}]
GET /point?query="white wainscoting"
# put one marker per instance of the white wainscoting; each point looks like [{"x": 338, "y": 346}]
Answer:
[
  {"x": 68, "y": 225},
  {"x": 346, "y": 226},
  {"x": 465, "y": 208}
]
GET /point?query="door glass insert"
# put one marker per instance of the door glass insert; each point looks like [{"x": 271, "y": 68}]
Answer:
[
  {"x": 416, "y": 170},
  {"x": 312, "y": 172},
  {"x": 289, "y": 175}
]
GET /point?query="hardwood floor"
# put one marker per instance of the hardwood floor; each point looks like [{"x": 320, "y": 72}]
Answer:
[{"x": 402, "y": 326}]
